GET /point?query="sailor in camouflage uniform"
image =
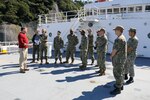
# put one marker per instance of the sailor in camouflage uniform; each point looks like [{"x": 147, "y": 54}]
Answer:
[
  {"x": 101, "y": 47},
  {"x": 71, "y": 47},
  {"x": 132, "y": 44},
  {"x": 58, "y": 45},
  {"x": 118, "y": 57},
  {"x": 91, "y": 46},
  {"x": 44, "y": 46},
  {"x": 83, "y": 49}
]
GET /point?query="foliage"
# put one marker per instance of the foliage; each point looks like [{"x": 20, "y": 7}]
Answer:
[{"x": 24, "y": 11}]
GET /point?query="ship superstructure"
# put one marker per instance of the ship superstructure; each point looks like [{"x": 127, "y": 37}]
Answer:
[{"x": 135, "y": 13}]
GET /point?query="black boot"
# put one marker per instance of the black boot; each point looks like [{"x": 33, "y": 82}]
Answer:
[
  {"x": 130, "y": 80},
  {"x": 102, "y": 72},
  {"x": 61, "y": 61},
  {"x": 92, "y": 62},
  {"x": 82, "y": 67},
  {"x": 33, "y": 61},
  {"x": 115, "y": 91},
  {"x": 46, "y": 60},
  {"x": 98, "y": 71},
  {"x": 116, "y": 87},
  {"x": 55, "y": 60},
  {"x": 66, "y": 61},
  {"x": 72, "y": 61},
  {"x": 41, "y": 62},
  {"x": 96, "y": 66},
  {"x": 125, "y": 76}
]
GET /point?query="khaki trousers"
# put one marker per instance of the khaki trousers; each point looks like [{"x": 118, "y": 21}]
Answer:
[{"x": 23, "y": 58}]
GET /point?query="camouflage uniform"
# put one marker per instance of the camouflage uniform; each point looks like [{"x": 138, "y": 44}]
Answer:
[
  {"x": 90, "y": 47},
  {"x": 43, "y": 47},
  {"x": 131, "y": 55},
  {"x": 83, "y": 51},
  {"x": 101, "y": 47},
  {"x": 58, "y": 44},
  {"x": 118, "y": 60},
  {"x": 72, "y": 42}
]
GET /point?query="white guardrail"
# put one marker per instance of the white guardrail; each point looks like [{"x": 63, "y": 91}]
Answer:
[
  {"x": 12, "y": 47},
  {"x": 8, "y": 47}
]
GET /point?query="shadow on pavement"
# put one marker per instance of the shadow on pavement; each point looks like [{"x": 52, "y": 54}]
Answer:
[
  {"x": 98, "y": 93},
  {"x": 69, "y": 69},
  {"x": 79, "y": 77},
  {"x": 9, "y": 66},
  {"x": 9, "y": 73},
  {"x": 140, "y": 62}
]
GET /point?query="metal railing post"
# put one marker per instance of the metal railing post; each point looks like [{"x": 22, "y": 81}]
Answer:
[
  {"x": 66, "y": 16},
  {"x": 45, "y": 19},
  {"x": 39, "y": 20},
  {"x": 55, "y": 18}
]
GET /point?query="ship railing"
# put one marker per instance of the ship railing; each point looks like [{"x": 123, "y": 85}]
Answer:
[
  {"x": 80, "y": 15},
  {"x": 9, "y": 47},
  {"x": 66, "y": 16},
  {"x": 74, "y": 26},
  {"x": 136, "y": 15},
  {"x": 57, "y": 17},
  {"x": 83, "y": 13}
]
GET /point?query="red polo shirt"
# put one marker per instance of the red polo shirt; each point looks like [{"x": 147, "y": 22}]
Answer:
[{"x": 22, "y": 40}]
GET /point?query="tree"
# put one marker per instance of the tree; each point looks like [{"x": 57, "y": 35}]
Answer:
[{"x": 23, "y": 11}]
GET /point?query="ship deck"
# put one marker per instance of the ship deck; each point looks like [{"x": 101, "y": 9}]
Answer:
[{"x": 67, "y": 81}]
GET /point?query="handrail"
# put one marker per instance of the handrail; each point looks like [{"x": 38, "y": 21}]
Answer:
[
  {"x": 65, "y": 16},
  {"x": 8, "y": 43},
  {"x": 74, "y": 25},
  {"x": 9, "y": 47}
]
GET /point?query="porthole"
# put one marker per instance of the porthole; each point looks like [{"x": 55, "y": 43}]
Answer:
[
  {"x": 50, "y": 34},
  {"x": 90, "y": 24},
  {"x": 109, "y": 24},
  {"x": 80, "y": 20},
  {"x": 145, "y": 23},
  {"x": 148, "y": 35}
]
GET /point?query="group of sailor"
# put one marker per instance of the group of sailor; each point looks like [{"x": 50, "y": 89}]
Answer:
[{"x": 123, "y": 53}]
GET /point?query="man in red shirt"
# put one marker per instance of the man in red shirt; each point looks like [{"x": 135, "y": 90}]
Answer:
[{"x": 23, "y": 48}]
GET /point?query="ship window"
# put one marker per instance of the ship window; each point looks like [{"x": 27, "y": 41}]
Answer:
[
  {"x": 95, "y": 11},
  {"x": 109, "y": 11},
  {"x": 130, "y": 9},
  {"x": 147, "y": 8},
  {"x": 89, "y": 13},
  {"x": 138, "y": 8},
  {"x": 116, "y": 10},
  {"x": 123, "y": 10},
  {"x": 102, "y": 11}
]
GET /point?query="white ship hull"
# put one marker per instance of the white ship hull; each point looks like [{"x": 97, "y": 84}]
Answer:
[{"x": 138, "y": 20}]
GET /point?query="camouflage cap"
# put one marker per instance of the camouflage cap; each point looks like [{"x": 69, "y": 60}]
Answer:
[
  {"x": 71, "y": 29},
  {"x": 101, "y": 29},
  {"x": 132, "y": 30},
  {"x": 83, "y": 31},
  {"x": 119, "y": 27},
  {"x": 89, "y": 30},
  {"x": 44, "y": 31},
  {"x": 58, "y": 32}
]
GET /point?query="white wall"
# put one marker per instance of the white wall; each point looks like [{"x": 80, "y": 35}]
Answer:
[{"x": 142, "y": 26}]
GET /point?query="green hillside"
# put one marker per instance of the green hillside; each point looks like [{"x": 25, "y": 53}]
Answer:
[{"x": 24, "y": 11}]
